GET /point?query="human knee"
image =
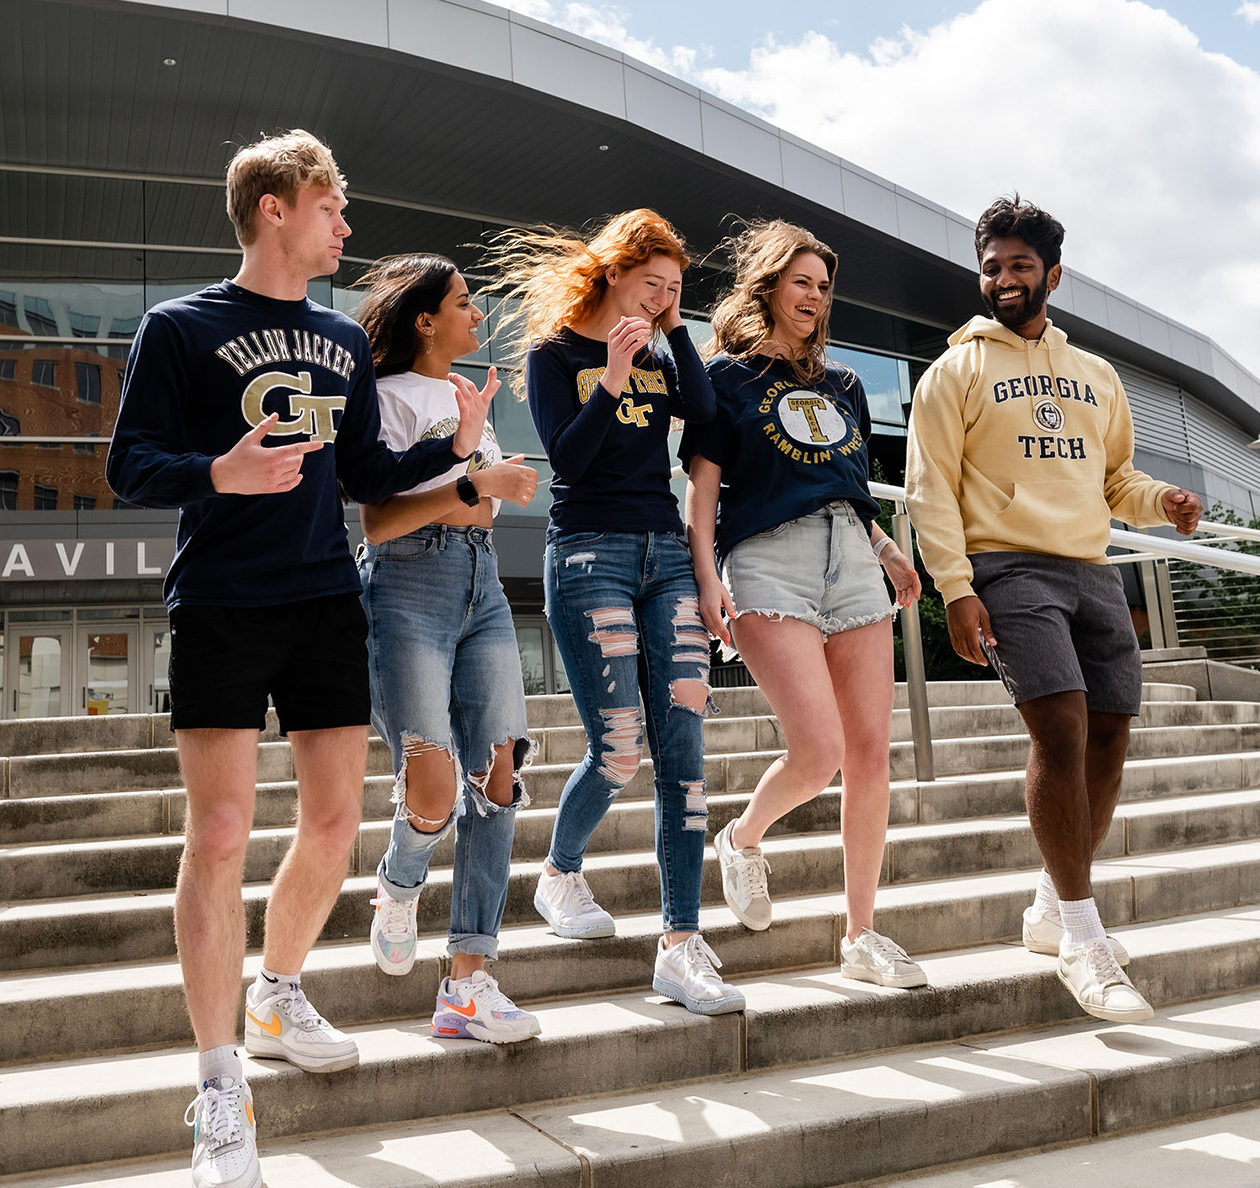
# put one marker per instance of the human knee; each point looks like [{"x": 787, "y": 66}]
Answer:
[
  {"x": 1058, "y": 725},
  {"x": 332, "y": 828},
  {"x": 218, "y": 837},
  {"x": 817, "y": 759},
  {"x": 501, "y": 784}
]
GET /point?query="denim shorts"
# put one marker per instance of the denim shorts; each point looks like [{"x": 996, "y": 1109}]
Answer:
[
  {"x": 819, "y": 569},
  {"x": 1060, "y": 625}
]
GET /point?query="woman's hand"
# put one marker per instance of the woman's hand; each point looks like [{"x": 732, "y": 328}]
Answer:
[
  {"x": 714, "y": 599},
  {"x": 509, "y": 479},
  {"x": 901, "y": 572},
  {"x": 671, "y": 319},
  {"x": 627, "y": 338},
  {"x": 473, "y": 406}
]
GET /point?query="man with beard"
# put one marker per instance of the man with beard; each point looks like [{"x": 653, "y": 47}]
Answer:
[{"x": 1020, "y": 453}]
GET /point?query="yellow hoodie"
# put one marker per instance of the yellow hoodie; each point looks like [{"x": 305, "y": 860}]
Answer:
[{"x": 1021, "y": 446}]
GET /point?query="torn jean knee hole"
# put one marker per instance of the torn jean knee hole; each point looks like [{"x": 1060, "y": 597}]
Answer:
[
  {"x": 413, "y": 746},
  {"x": 523, "y": 751},
  {"x": 690, "y": 694}
]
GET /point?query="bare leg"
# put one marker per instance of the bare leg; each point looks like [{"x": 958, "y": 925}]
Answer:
[
  {"x": 787, "y": 660},
  {"x": 861, "y": 665},
  {"x": 330, "y": 766},
  {"x": 1055, "y": 789},
  {"x": 219, "y": 768},
  {"x": 1106, "y": 746}
]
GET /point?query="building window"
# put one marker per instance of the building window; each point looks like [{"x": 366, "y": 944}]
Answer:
[
  {"x": 39, "y": 317},
  {"x": 44, "y": 373},
  {"x": 122, "y": 327},
  {"x": 8, "y": 369},
  {"x": 90, "y": 450},
  {"x": 84, "y": 325},
  {"x": 87, "y": 377},
  {"x": 84, "y": 502},
  {"x": 8, "y": 309},
  {"x": 45, "y": 498},
  {"x": 8, "y": 490}
]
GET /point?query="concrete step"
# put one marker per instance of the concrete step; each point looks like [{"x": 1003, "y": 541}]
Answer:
[{"x": 1198, "y": 1057}]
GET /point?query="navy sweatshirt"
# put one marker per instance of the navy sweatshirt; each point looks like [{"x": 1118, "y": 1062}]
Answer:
[
  {"x": 785, "y": 451},
  {"x": 203, "y": 371},
  {"x": 610, "y": 453}
]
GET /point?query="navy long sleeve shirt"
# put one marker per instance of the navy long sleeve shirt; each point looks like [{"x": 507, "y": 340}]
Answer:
[
  {"x": 610, "y": 452},
  {"x": 203, "y": 371}
]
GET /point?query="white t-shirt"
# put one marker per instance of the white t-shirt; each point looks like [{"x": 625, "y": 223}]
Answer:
[{"x": 417, "y": 407}]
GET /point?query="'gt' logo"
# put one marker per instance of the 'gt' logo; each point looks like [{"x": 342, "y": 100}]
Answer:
[{"x": 313, "y": 415}]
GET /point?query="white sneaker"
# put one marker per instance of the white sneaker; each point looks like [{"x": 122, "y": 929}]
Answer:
[
  {"x": 744, "y": 880},
  {"x": 687, "y": 973},
  {"x": 875, "y": 958},
  {"x": 281, "y": 1024},
  {"x": 475, "y": 1008},
  {"x": 566, "y": 903},
  {"x": 1043, "y": 933},
  {"x": 1091, "y": 972},
  {"x": 225, "y": 1152},
  {"x": 393, "y": 934}
]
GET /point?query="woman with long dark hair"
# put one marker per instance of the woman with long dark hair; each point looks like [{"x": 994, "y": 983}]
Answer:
[
  {"x": 447, "y": 694},
  {"x": 778, "y": 482},
  {"x": 620, "y": 593}
]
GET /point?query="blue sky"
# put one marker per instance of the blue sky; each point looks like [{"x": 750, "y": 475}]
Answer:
[{"x": 1136, "y": 123}]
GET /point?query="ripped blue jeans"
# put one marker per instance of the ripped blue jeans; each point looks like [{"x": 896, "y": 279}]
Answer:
[
  {"x": 445, "y": 672},
  {"x": 626, "y": 617}
]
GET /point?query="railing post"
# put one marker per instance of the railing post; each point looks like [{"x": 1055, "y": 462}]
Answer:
[
  {"x": 912, "y": 649},
  {"x": 1167, "y": 611},
  {"x": 1154, "y": 607}
]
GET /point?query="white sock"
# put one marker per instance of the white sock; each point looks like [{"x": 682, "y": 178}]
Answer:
[
  {"x": 219, "y": 1062},
  {"x": 267, "y": 977},
  {"x": 1046, "y": 902},
  {"x": 1080, "y": 920}
]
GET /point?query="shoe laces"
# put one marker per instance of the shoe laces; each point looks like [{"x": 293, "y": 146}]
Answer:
[
  {"x": 220, "y": 1111},
  {"x": 1102, "y": 963},
  {"x": 883, "y": 946},
  {"x": 397, "y": 922},
  {"x": 704, "y": 962},
  {"x": 299, "y": 1008},
  {"x": 751, "y": 870},
  {"x": 579, "y": 894},
  {"x": 492, "y": 998}
]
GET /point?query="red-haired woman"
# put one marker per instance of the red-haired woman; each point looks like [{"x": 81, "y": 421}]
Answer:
[{"x": 620, "y": 590}]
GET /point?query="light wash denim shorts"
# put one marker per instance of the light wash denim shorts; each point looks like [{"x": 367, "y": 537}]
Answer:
[{"x": 819, "y": 569}]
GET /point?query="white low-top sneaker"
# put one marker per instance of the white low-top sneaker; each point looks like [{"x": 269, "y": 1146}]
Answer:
[
  {"x": 393, "y": 934},
  {"x": 225, "y": 1151},
  {"x": 281, "y": 1024},
  {"x": 475, "y": 1008},
  {"x": 875, "y": 958},
  {"x": 566, "y": 903},
  {"x": 1091, "y": 972},
  {"x": 1043, "y": 933},
  {"x": 744, "y": 880},
  {"x": 688, "y": 973}
]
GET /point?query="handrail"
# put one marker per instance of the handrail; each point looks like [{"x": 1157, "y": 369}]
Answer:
[{"x": 1228, "y": 531}]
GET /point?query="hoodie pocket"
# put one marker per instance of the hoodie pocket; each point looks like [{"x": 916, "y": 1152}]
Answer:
[{"x": 1064, "y": 517}]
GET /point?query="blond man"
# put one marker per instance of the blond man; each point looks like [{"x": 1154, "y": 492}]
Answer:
[{"x": 246, "y": 406}]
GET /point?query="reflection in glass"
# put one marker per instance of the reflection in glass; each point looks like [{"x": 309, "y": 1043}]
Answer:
[
  {"x": 39, "y": 676},
  {"x": 887, "y": 382},
  {"x": 160, "y": 695},
  {"x": 107, "y": 674},
  {"x": 529, "y": 643}
]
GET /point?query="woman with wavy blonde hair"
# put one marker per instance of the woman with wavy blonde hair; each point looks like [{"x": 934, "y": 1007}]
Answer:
[
  {"x": 620, "y": 591},
  {"x": 778, "y": 483}
]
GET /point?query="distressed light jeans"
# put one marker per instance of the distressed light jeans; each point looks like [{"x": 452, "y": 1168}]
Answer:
[
  {"x": 626, "y": 617},
  {"x": 445, "y": 672}
]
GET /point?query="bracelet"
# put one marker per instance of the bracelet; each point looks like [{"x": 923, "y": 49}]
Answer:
[{"x": 883, "y": 544}]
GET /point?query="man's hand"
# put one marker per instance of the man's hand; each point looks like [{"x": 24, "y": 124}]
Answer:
[
  {"x": 473, "y": 406},
  {"x": 508, "y": 479},
  {"x": 250, "y": 468},
  {"x": 968, "y": 620},
  {"x": 1183, "y": 509}
]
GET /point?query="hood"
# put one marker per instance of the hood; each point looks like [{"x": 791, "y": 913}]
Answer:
[{"x": 993, "y": 331}]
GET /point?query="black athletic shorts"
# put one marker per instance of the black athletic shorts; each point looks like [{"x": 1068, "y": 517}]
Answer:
[{"x": 310, "y": 656}]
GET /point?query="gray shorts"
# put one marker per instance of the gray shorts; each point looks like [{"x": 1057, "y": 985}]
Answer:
[
  {"x": 819, "y": 569},
  {"x": 1060, "y": 625}
]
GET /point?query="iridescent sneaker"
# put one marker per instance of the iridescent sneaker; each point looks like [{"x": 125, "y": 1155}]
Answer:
[
  {"x": 281, "y": 1024},
  {"x": 475, "y": 1008},
  {"x": 393, "y": 933},
  {"x": 225, "y": 1154}
]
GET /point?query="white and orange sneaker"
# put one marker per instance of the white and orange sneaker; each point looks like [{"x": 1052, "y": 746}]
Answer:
[
  {"x": 225, "y": 1152},
  {"x": 475, "y": 1008},
  {"x": 280, "y": 1024}
]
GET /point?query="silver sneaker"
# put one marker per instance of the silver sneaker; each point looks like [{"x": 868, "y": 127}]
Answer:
[
  {"x": 688, "y": 973},
  {"x": 744, "y": 881},
  {"x": 281, "y": 1024},
  {"x": 1043, "y": 933},
  {"x": 225, "y": 1152},
  {"x": 1100, "y": 987},
  {"x": 875, "y": 958},
  {"x": 566, "y": 903}
]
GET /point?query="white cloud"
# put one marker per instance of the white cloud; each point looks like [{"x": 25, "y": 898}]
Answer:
[
  {"x": 1249, "y": 10},
  {"x": 1107, "y": 112}
]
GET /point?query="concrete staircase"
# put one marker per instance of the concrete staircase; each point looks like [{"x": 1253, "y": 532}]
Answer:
[{"x": 821, "y": 1082}]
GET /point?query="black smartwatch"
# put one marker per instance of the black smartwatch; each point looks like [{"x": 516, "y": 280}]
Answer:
[{"x": 467, "y": 491}]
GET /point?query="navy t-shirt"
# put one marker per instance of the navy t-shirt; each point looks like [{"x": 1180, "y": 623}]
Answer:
[
  {"x": 203, "y": 371},
  {"x": 610, "y": 453},
  {"x": 784, "y": 450}
]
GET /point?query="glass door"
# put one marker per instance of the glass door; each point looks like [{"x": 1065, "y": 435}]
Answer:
[
  {"x": 156, "y": 658},
  {"x": 107, "y": 669},
  {"x": 38, "y": 672}
]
